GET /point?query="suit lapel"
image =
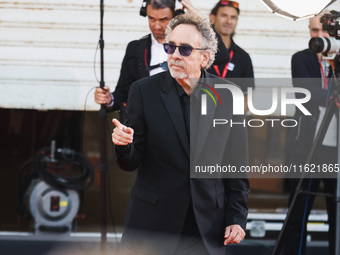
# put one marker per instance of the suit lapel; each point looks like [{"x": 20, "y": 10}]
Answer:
[
  {"x": 199, "y": 136},
  {"x": 171, "y": 101}
]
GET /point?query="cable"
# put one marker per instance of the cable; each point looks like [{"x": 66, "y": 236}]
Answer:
[
  {"x": 62, "y": 172},
  {"x": 94, "y": 62},
  {"x": 310, "y": 180},
  {"x": 88, "y": 93},
  {"x": 329, "y": 89},
  {"x": 304, "y": 216}
]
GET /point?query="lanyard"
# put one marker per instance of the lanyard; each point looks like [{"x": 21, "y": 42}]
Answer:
[
  {"x": 146, "y": 59},
  {"x": 225, "y": 70}
]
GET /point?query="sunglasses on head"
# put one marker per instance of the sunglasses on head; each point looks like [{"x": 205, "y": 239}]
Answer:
[
  {"x": 232, "y": 3},
  {"x": 185, "y": 50}
]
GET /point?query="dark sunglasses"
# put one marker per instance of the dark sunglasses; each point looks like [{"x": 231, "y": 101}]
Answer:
[
  {"x": 185, "y": 50},
  {"x": 232, "y": 3}
]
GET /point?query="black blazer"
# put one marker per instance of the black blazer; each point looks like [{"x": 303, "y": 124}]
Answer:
[
  {"x": 305, "y": 64},
  {"x": 134, "y": 67},
  {"x": 163, "y": 190}
]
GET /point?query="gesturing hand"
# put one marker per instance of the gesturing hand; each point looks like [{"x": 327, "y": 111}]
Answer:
[
  {"x": 233, "y": 234},
  {"x": 122, "y": 135}
]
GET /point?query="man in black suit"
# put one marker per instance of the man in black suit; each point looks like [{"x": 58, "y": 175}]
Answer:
[
  {"x": 315, "y": 70},
  {"x": 169, "y": 212},
  {"x": 143, "y": 57},
  {"x": 146, "y": 57}
]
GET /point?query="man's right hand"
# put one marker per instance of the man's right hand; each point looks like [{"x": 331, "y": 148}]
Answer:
[
  {"x": 103, "y": 96},
  {"x": 122, "y": 135}
]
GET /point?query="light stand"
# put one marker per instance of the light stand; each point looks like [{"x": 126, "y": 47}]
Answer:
[
  {"x": 297, "y": 10},
  {"x": 308, "y": 8},
  {"x": 330, "y": 111},
  {"x": 103, "y": 156},
  {"x": 337, "y": 230}
]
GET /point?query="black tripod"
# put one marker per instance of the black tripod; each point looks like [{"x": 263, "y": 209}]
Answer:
[{"x": 330, "y": 111}]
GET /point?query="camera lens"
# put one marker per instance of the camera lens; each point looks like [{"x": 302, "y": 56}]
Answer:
[
  {"x": 316, "y": 44},
  {"x": 326, "y": 45}
]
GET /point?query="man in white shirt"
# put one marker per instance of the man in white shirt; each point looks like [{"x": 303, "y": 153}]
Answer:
[{"x": 143, "y": 57}]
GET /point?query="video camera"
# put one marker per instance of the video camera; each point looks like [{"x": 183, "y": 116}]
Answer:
[{"x": 330, "y": 23}]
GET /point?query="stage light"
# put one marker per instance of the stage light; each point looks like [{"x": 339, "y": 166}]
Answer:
[{"x": 297, "y": 9}]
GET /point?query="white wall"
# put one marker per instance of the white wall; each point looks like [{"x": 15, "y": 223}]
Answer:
[{"x": 47, "y": 48}]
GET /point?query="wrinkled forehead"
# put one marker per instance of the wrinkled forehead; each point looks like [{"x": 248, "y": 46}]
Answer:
[{"x": 186, "y": 34}]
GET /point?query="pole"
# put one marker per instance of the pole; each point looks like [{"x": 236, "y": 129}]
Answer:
[{"x": 103, "y": 157}]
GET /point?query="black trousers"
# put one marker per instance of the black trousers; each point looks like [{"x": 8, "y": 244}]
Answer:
[
  {"x": 326, "y": 155},
  {"x": 191, "y": 242}
]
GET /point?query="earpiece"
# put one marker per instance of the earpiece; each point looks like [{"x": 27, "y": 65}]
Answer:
[{"x": 142, "y": 11}]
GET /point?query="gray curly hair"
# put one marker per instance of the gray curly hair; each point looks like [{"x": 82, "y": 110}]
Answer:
[{"x": 209, "y": 40}]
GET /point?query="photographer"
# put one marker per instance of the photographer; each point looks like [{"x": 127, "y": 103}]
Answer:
[{"x": 307, "y": 64}]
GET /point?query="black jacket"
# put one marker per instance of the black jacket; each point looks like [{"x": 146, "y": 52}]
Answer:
[
  {"x": 163, "y": 190},
  {"x": 242, "y": 72},
  {"x": 134, "y": 67},
  {"x": 305, "y": 64}
]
